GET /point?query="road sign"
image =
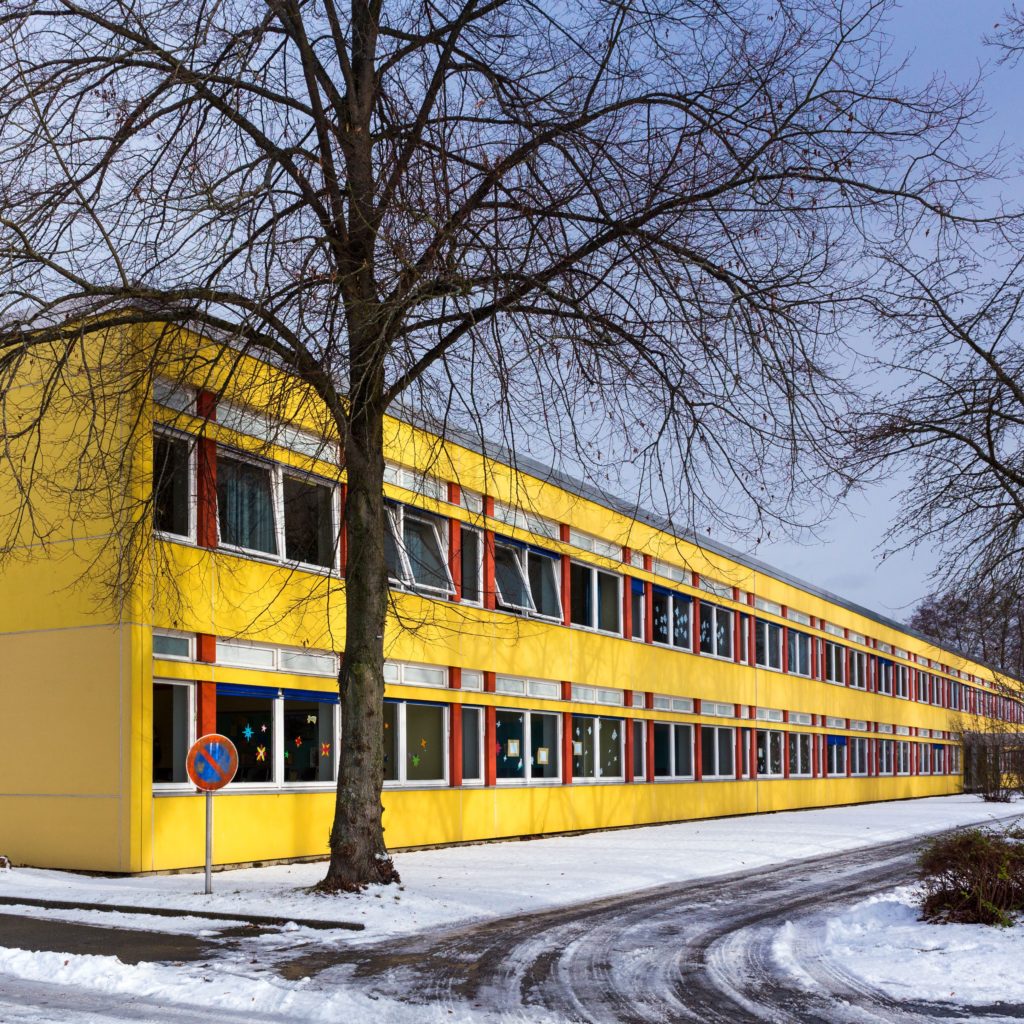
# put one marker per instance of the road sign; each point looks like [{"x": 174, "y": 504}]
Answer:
[{"x": 212, "y": 762}]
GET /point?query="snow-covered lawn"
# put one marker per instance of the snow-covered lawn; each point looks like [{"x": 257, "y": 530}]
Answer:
[
  {"x": 880, "y": 943},
  {"x": 446, "y": 886}
]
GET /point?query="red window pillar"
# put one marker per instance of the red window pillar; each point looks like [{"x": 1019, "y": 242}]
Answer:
[
  {"x": 455, "y": 746},
  {"x": 737, "y": 632},
  {"x": 648, "y": 612},
  {"x": 696, "y": 624},
  {"x": 490, "y": 746},
  {"x": 785, "y": 648},
  {"x": 206, "y": 478},
  {"x": 206, "y": 692}
]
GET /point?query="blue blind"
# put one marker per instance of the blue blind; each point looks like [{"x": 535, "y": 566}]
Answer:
[
  {"x": 638, "y": 586},
  {"x": 546, "y": 554},
  {"x": 231, "y": 690},
  {"x": 323, "y": 696},
  {"x": 837, "y": 741}
]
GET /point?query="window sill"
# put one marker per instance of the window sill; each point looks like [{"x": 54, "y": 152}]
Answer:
[{"x": 268, "y": 559}]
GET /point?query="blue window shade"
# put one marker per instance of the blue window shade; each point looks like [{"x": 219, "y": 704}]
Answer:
[
  {"x": 884, "y": 661},
  {"x": 231, "y": 690},
  {"x": 541, "y": 551},
  {"x": 837, "y": 741},
  {"x": 662, "y": 590},
  {"x": 638, "y": 586},
  {"x": 501, "y": 538},
  {"x": 323, "y": 696}
]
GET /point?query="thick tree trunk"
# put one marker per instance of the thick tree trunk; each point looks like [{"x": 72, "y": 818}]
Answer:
[{"x": 358, "y": 853}]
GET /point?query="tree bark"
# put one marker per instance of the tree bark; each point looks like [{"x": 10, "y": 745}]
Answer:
[{"x": 358, "y": 853}]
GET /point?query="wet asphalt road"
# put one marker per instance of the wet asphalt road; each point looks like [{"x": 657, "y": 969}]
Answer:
[{"x": 696, "y": 952}]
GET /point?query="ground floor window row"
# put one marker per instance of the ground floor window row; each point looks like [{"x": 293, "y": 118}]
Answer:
[{"x": 289, "y": 738}]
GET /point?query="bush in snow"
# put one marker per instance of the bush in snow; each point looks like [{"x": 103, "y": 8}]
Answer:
[{"x": 974, "y": 876}]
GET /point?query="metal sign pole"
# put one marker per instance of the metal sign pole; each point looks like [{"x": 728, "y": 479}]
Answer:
[{"x": 209, "y": 842}]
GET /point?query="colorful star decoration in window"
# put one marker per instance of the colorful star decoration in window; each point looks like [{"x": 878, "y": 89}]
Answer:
[
  {"x": 263, "y": 727},
  {"x": 310, "y": 719},
  {"x": 423, "y": 744},
  {"x": 261, "y": 753},
  {"x": 247, "y": 732},
  {"x": 415, "y": 760},
  {"x": 325, "y": 750},
  {"x": 298, "y": 741}
]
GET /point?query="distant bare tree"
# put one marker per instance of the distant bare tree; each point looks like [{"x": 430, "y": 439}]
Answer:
[{"x": 628, "y": 237}]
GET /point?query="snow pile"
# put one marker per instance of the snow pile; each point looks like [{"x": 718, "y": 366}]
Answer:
[{"x": 880, "y": 943}]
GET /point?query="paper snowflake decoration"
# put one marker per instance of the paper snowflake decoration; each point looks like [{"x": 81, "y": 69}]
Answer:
[
  {"x": 261, "y": 753},
  {"x": 247, "y": 732}
]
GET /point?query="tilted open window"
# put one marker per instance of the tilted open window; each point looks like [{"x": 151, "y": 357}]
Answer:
[{"x": 416, "y": 550}]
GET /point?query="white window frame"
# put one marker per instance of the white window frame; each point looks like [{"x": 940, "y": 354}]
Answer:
[
  {"x": 642, "y": 747},
  {"x": 884, "y": 679},
  {"x": 303, "y": 787},
  {"x": 672, "y": 598},
  {"x": 835, "y": 663},
  {"x": 402, "y": 781},
  {"x": 190, "y": 688},
  {"x": 638, "y": 624},
  {"x": 773, "y": 735},
  {"x": 830, "y": 761},
  {"x": 858, "y": 670},
  {"x": 675, "y": 777},
  {"x": 174, "y": 634},
  {"x": 598, "y": 776},
  {"x": 594, "y": 604},
  {"x": 192, "y": 501},
  {"x": 857, "y": 752},
  {"x": 717, "y": 775},
  {"x": 763, "y": 625},
  {"x": 902, "y": 757},
  {"x": 797, "y": 636},
  {"x": 527, "y": 753},
  {"x": 802, "y": 771},
  {"x": 479, "y": 534},
  {"x": 716, "y": 610},
  {"x": 522, "y": 558},
  {"x": 396, "y": 516},
  {"x": 901, "y": 681},
  {"x": 481, "y": 748},
  {"x": 745, "y": 618}
]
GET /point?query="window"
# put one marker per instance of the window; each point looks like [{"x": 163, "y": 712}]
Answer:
[
  {"x": 938, "y": 760},
  {"x": 416, "y": 550},
  {"x": 799, "y": 645},
  {"x": 717, "y": 752},
  {"x": 670, "y": 623},
  {"x": 472, "y": 566},
  {"x": 527, "y": 580},
  {"x": 858, "y": 670},
  {"x": 902, "y": 681},
  {"x": 673, "y": 751},
  {"x": 769, "y": 753},
  {"x": 262, "y": 508},
  {"x": 800, "y": 760},
  {"x": 248, "y": 721},
  {"x": 638, "y": 602},
  {"x": 639, "y": 749},
  {"x": 885, "y": 676},
  {"x": 835, "y": 663},
  {"x": 597, "y": 747},
  {"x": 168, "y": 645},
  {"x": 172, "y": 731},
  {"x": 923, "y": 762},
  {"x": 172, "y": 485},
  {"x": 837, "y": 755},
  {"x": 527, "y": 746},
  {"x": 768, "y": 644},
  {"x": 595, "y": 601},
  {"x": 885, "y": 757},
  {"x": 903, "y": 757},
  {"x": 923, "y": 687},
  {"x": 715, "y": 630},
  {"x": 309, "y": 747},
  {"x": 858, "y": 746},
  {"x": 308, "y": 521},
  {"x": 472, "y": 745},
  {"x": 415, "y": 743},
  {"x": 744, "y": 638}
]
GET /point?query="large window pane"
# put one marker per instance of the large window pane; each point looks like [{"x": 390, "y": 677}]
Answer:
[
  {"x": 610, "y": 748},
  {"x": 170, "y": 732},
  {"x": 723, "y": 633},
  {"x": 513, "y": 588},
  {"x": 472, "y": 762},
  {"x": 170, "y": 484},
  {"x": 639, "y": 760},
  {"x": 308, "y": 522},
  {"x": 244, "y": 505},
  {"x": 684, "y": 750},
  {"x": 637, "y": 613},
  {"x": 775, "y": 763},
  {"x": 543, "y": 745},
  {"x": 544, "y": 584},
  {"x": 392, "y": 758},
  {"x": 584, "y": 747},
  {"x": 661, "y": 626},
  {"x": 680, "y": 622},
  {"x": 707, "y": 751},
  {"x": 662, "y": 749},
  {"x": 581, "y": 605},
  {"x": 726, "y": 751},
  {"x": 424, "y": 743},
  {"x": 309, "y": 745},
  {"x": 470, "y": 565},
  {"x": 707, "y": 628},
  {"x": 426, "y": 556},
  {"x": 249, "y": 723},
  {"x": 608, "y": 603},
  {"x": 510, "y": 753}
]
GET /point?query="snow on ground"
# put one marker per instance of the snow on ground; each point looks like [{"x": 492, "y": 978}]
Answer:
[
  {"x": 880, "y": 943},
  {"x": 442, "y": 887}
]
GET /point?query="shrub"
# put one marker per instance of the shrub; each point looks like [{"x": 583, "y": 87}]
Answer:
[{"x": 975, "y": 876}]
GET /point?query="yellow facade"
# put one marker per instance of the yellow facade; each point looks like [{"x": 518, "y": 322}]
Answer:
[{"x": 79, "y": 670}]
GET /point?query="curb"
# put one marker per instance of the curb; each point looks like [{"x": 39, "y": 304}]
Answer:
[{"x": 211, "y": 915}]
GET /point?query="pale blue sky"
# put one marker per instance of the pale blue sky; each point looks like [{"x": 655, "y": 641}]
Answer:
[{"x": 943, "y": 36}]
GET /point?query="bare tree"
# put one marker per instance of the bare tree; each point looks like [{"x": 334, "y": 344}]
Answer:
[{"x": 629, "y": 238}]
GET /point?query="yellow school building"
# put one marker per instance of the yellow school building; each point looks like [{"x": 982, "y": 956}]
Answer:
[{"x": 555, "y": 662}]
